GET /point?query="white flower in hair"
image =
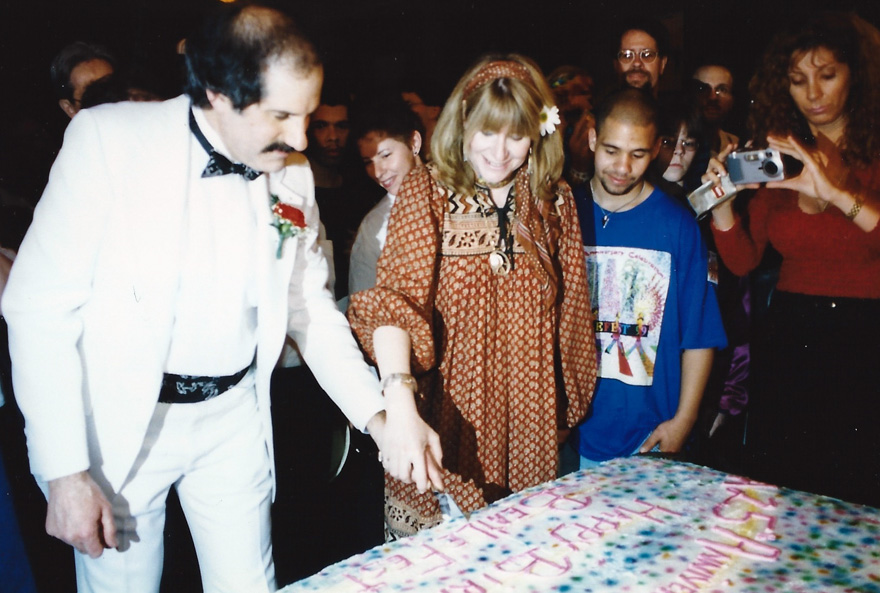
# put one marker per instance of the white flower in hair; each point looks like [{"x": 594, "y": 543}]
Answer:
[{"x": 549, "y": 119}]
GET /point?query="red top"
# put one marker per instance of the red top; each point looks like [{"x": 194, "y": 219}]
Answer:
[{"x": 822, "y": 254}]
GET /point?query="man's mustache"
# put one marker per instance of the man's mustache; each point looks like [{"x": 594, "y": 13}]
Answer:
[{"x": 278, "y": 146}]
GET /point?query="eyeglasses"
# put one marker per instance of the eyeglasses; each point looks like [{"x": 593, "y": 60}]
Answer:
[
  {"x": 625, "y": 56},
  {"x": 704, "y": 89},
  {"x": 687, "y": 145}
]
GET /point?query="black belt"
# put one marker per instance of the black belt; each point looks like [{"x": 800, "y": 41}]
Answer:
[{"x": 190, "y": 389}]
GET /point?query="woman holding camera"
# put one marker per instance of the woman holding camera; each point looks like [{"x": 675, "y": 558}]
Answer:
[
  {"x": 816, "y": 405},
  {"x": 482, "y": 293}
]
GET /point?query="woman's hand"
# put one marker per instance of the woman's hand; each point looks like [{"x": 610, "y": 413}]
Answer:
[
  {"x": 722, "y": 214},
  {"x": 815, "y": 180},
  {"x": 410, "y": 449}
]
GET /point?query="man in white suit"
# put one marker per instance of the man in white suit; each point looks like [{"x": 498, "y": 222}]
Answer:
[{"x": 173, "y": 248}]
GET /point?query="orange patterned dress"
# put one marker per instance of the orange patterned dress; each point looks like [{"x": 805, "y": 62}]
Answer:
[{"x": 499, "y": 369}]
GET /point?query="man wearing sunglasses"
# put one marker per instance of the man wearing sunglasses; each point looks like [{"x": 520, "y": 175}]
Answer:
[
  {"x": 642, "y": 54},
  {"x": 714, "y": 91}
]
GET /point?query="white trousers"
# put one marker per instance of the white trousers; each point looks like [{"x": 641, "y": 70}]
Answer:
[{"x": 214, "y": 454}]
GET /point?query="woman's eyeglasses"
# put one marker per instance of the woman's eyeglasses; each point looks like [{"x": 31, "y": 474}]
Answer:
[{"x": 688, "y": 145}]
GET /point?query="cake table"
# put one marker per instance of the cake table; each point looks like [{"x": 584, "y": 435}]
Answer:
[{"x": 639, "y": 524}]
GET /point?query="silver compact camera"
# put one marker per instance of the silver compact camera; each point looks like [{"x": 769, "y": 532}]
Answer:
[
  {"x": 708, "y": 195},
  {"x": 755, "y": 166}
]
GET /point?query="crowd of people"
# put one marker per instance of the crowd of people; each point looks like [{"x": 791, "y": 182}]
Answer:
[{"x": 492, "y": 292}]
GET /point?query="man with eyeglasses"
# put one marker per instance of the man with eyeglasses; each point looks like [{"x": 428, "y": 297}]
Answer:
[
  {"x": 712, "y": 92},
  {"x": 642, "y": 54}
]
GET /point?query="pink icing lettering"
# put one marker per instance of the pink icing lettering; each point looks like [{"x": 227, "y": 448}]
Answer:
[
  {"x": 501, "y": 520},
  {"x": 677, "y": 588},
  {"x": 515, "y": 514},
  {"x": 483, "y": 528},
  {"x": 650, "y": 508},
  {"x": 437, "y": 558},
  {"x": 710, "y": 560},
  {"x": 453, "y": 540},
  {"x": 701, "y": 571},
  {"x": 744, "y": 496},
  {"x": 366, "y": 587},
  {"x": 746, "y": 547},
  {"x": 531, "y": 563},
  {"x": 693, "y": 577},
  {"x": 573, "y": 534},
  {"x": 466, "y": 587},
  {"x": 398, "y": 562},
  {"x": 471, "y": 586},
  {"x": 569, "y": 534},
  {"x": 771, "y": 521},
  {"x": 731, "y": 480},
  {"x": 560, "y": 498}
]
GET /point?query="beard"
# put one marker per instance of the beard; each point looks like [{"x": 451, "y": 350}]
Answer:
[
  {"x": 639, "y": 79},
  {"x": 613, "y": 190}
]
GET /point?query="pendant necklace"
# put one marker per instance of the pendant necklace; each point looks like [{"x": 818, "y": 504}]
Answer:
[
  {"x": 501, "y": 258},
  {"x": 606, "y": 214}
]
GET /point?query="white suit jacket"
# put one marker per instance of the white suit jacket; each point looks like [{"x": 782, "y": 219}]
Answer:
[{"x": 90, "y": 303}]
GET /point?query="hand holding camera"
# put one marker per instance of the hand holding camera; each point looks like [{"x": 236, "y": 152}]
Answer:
[{"x": 746, "y": 169}]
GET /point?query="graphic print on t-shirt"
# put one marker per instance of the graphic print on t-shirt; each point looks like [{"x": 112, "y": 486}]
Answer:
[{"x": 628, "y": 288}]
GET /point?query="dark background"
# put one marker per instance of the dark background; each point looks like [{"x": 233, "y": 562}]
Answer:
[
  {"x": 365, "y": 43},
  {"x": 384, "y": 37}
]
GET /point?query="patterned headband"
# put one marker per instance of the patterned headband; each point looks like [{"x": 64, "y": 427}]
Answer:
[{"x": 495, "y": 70}]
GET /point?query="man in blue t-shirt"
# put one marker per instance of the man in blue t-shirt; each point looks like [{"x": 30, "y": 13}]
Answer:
[{"x": 656, "y": 315}]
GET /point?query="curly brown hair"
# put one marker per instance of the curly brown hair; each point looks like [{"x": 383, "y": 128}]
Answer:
[{"x": 852, "y": 41}]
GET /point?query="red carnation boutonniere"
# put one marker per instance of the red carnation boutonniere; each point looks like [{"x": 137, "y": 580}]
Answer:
[{"x": 289, "y": 220}]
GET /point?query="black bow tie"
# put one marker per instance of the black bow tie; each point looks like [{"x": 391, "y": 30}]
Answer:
[{"x": 217, "y": 163}]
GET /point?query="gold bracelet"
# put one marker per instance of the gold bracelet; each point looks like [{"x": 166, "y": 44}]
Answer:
[
  {"x": 856, "y": 208},
  {"x": 404, "y": 379}
]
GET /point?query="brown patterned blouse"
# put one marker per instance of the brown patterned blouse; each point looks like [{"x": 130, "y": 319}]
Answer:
[{"x": 498, "y": 370}]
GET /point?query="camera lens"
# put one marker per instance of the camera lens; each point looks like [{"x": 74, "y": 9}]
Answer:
[{"x": 770, "y": 168}]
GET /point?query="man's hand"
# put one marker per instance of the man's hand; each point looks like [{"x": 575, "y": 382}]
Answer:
[
  {"x": 670, "y": 435},
  {"x": 80, "y": 515},
  {"x": 410, "y": 449}
]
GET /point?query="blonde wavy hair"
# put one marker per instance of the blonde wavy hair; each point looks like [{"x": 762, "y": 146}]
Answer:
[{"x": 506, "y": 102}]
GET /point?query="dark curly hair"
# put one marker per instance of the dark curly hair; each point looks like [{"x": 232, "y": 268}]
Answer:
[
  {"x": 388, "y": 114},
  {"x": 853, "y": 42},
  {"x": 229, "y": 53}
]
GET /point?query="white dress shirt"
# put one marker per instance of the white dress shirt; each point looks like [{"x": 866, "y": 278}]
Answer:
[
  {"x": 214, "y": 336},
  {"x": 368, "y": 246}
]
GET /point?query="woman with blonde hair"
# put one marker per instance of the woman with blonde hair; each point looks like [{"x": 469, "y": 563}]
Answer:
[{"x": 482, "y": 295}]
